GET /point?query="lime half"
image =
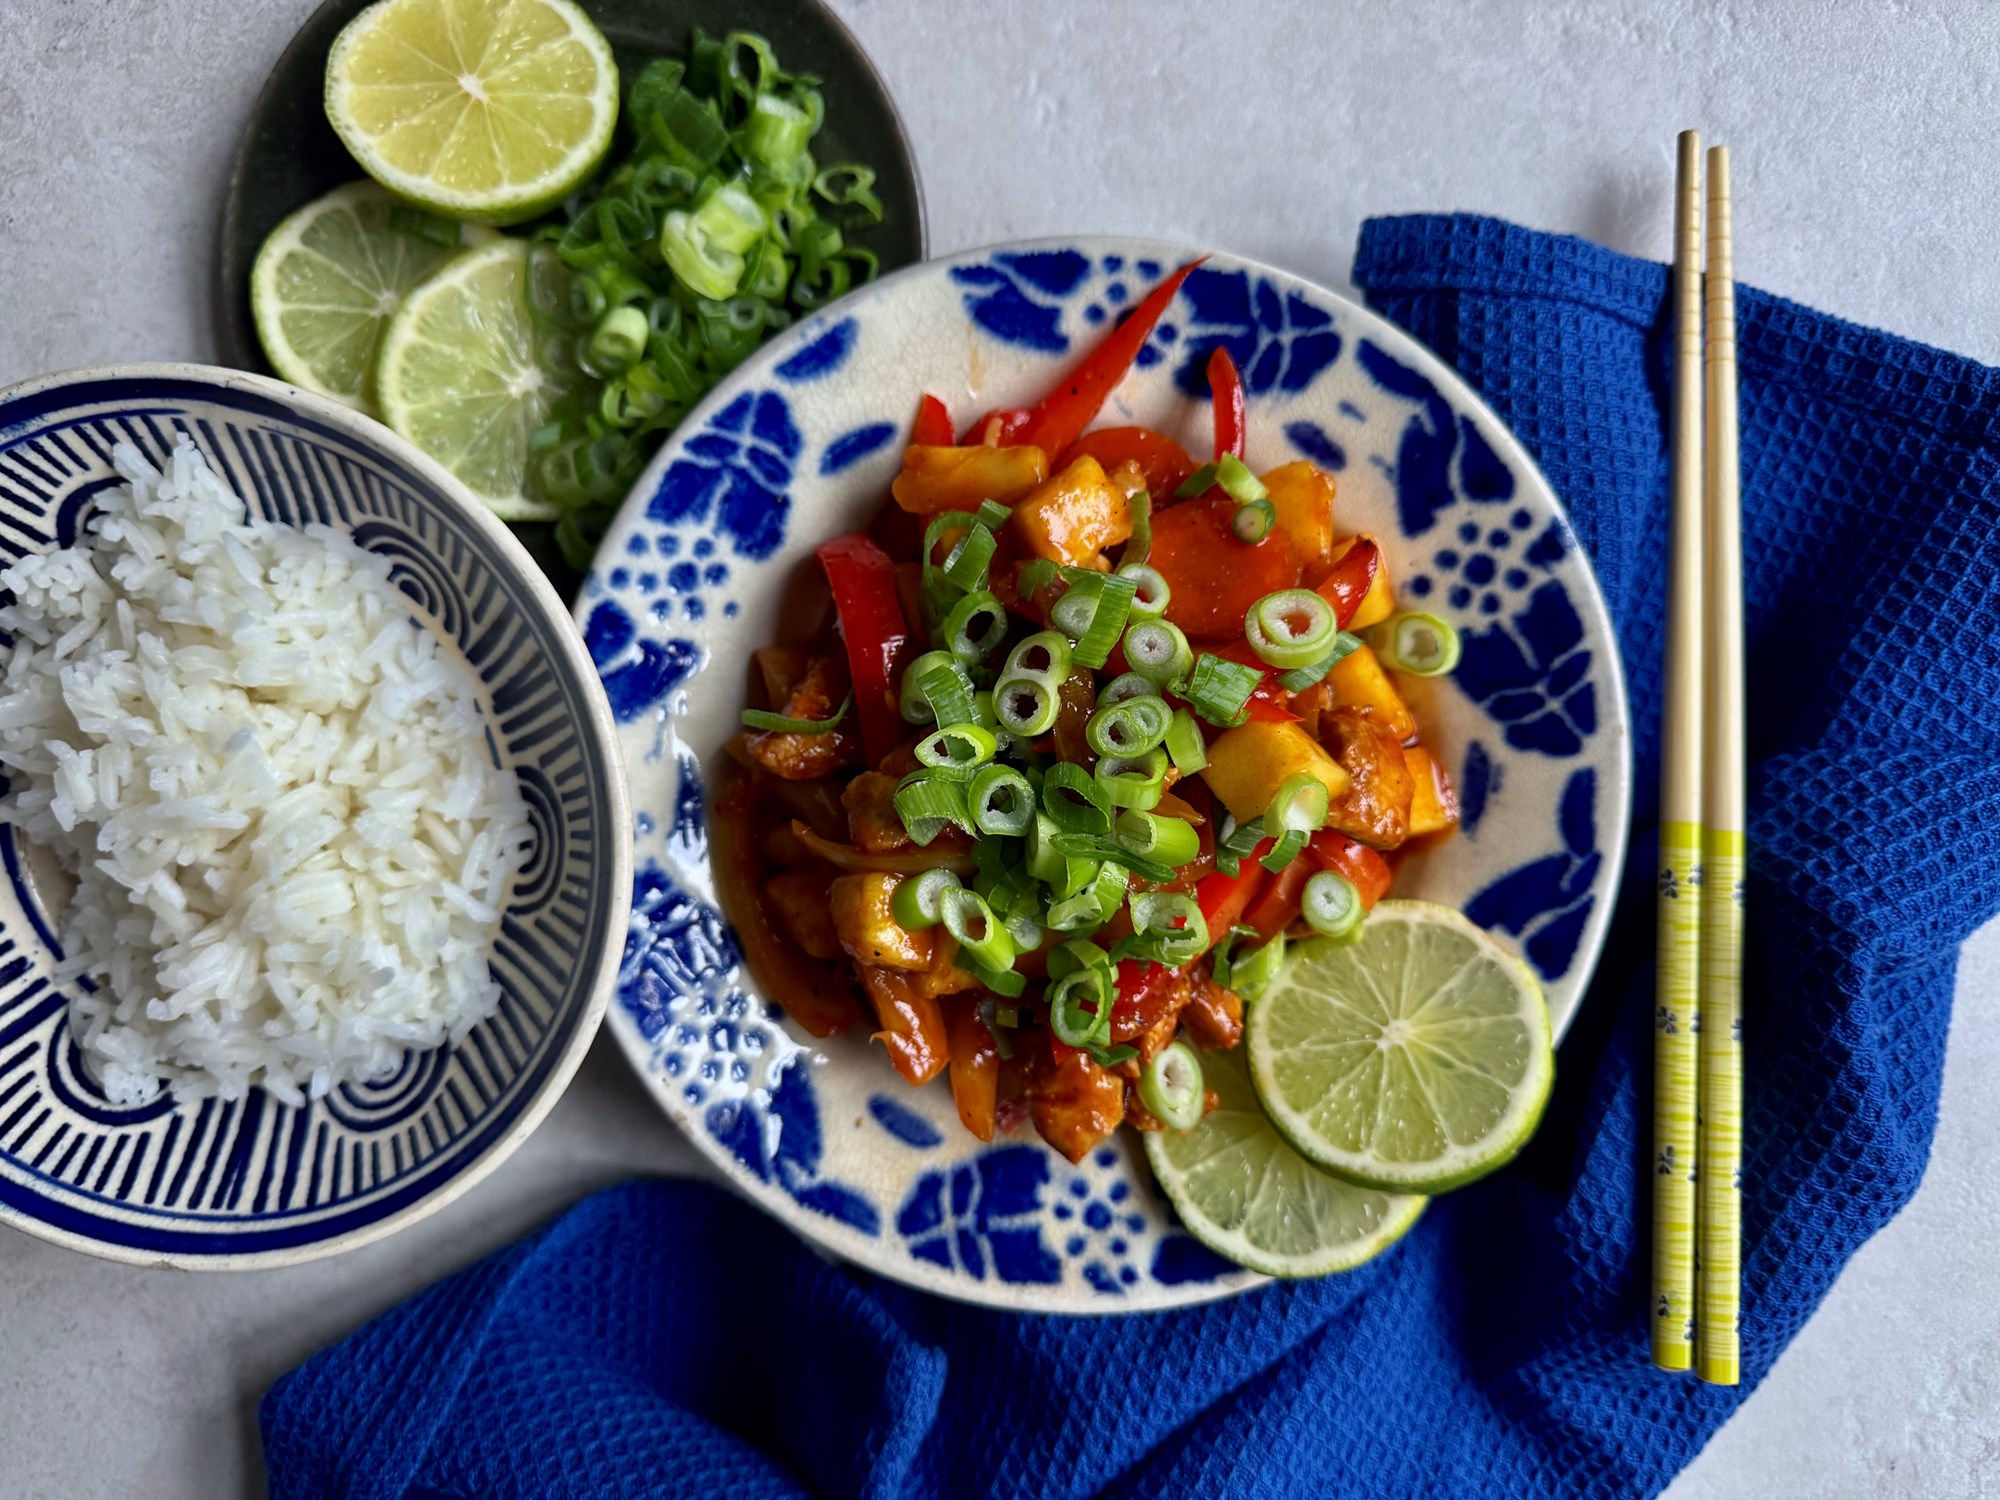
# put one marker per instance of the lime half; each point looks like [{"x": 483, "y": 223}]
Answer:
[
  {"x": 1414, "y": 1060},
  {"x": 494, "y": 110},
  {"x": 1245, "y": 1193},
  {"x": 458, "y": 377},
  {"x": 326, "y": 281}
]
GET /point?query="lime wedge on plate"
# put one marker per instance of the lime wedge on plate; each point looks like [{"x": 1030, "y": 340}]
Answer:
[
  {"x": 1413, "y": 1060},
  {"x": 1245, "y": 1193},
  {"x": 458, "y": 377},
  {"x": 492, "y": 110},
  {"x": 326, "y": 282}
]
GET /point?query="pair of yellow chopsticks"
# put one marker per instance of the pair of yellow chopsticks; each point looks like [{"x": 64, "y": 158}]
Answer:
[{"x": 1698, "y": 1060}]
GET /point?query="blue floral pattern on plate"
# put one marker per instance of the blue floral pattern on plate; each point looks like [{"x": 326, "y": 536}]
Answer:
[{"x": 714, "y": 549}]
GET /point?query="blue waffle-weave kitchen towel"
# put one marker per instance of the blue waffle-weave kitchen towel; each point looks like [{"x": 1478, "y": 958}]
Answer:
[{"x": 1501, "y": 1349}]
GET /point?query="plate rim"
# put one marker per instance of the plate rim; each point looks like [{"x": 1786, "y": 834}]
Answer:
[
  {"x": 827, "y": 1237},
  {"x": 599, "y": 727}
]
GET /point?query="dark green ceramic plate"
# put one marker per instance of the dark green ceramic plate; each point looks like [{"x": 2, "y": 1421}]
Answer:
[{"x": 290, "y": 154}]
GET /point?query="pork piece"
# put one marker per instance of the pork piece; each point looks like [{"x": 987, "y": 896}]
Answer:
[
  {"x": 803, "y": 902},
  {"x": 804, "y": 757},
  {"x": 1375, "y": 810},
  {"x": 873, "y": 824},
  {"x": 868, "y": 929},
  {"x": 1075, "y": 1103},
  {"x": 1213, "y": 1015}
]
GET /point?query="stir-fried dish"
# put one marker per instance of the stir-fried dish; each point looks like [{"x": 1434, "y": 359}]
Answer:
[{"x": 1088, "y": 730}]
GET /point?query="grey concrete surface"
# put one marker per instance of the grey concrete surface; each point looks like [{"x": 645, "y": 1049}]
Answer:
[{"x": 1864, "y": 139}]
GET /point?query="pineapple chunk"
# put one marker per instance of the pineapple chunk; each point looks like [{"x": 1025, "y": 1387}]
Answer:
[
  {"x": 1380, "y": 601},
  {"x": 1358, "y": 681},
  {"x": 868, "y": 929},
  {"x": 1075, "y": 515},
  {"x": 937, "y": 478},
  {"x": 1248, "y": 764},
  {"x": 1434, "y": 808},
  {"x": 1302, "y": 495}
]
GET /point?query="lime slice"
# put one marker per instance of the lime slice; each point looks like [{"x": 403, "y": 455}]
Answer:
[
  {"x": 1245, "y": 1193},
  {"x": 1414, "y": 1060},
  {"x": 492, "y": 110},
  {"x": 326, "y": 281},
  {"x": 457, "y": 376}
]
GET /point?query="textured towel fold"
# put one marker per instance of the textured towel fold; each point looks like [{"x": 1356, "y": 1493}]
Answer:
[{"x": 663, "y": 1339}]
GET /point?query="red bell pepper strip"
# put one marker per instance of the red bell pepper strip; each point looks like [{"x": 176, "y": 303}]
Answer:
[
  {"x": 1226, "y": 387},
  {"x": 872, "y": 624},
  {"x": 1000, "y": 428},
  {"x": 1337, "y": 852},
  {"x": 1162, "y": 460},
  {"x": 1143, "y": 988},
  {"x": 933, "y": 425},
  {"x": 1352, "y": 576},
  {"x": 1273, "y": 911},
  {"x": 1073, "y": 405}
]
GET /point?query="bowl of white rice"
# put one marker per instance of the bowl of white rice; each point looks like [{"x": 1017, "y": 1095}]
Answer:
[{"x": 314, "y": 854}]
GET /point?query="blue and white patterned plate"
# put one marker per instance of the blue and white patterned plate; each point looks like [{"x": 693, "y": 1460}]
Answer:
[
  {"x": 234, "y": 1184},
  {"x": 799, "y": 445}
]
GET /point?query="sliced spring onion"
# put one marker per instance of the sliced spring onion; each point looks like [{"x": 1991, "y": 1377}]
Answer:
[
  {"x": 1093, "y": 612},
  {"x": 1127, "y": 685},
  {"x": 1332, "y": 906},
  {"x": 1298, "y": 680},
  {"x": 618, "y": 341},
  {"x": 945, "y": 687},
  {"x": 1420, "y": 644},
  {"x": 1291, "y": 628},
  {"x": 914, "y": 904},
  {"x": 915, "y": 706},
  {"x": 1219, "y": 690},
  {"x": 1173, "y": 914},
  {"x": 1185, "y": 746},
  {"x": 1235, "y": 477},
  {"x": 1098, "y": 850},
  {"x": 1129, "y": 728},
  {"x": 1079, "y": 870},
  {"x": 929, "y": 802},
  {"x": 976, "y": 625},
  {"x": 1077, "y": 953},
  {"x": 957, "y": 747},
  {"x": 1000, "y": 801},
  {"x": 1045, "y": 861},
  {"x": 1140, "y": 545},
  {"x": 1043, "y": 656},
  {"x": 1197, "y": 483},
  {"x": 939, "y": 592},
  {"x": 1003, "y": 982},
  {"x": 1298, "y": 806},
  {"x": 1159, "y": 651},
  {"x": 1024, "y": 930},
  {"x": 1235, "y": 841},
  {"x": 1171, "y": 1087},
  {"x": 1251, "y": 973},
  {"x": 1076, "y": 800},
  {"x": 1080, "y": 1007},
  {"x": 965, "y": 565},
  {"x": 1287, "y": 849},
  {"x": 1036, "y": 574},
  {"x": 1025, "y": 706},
  {"x": 1134, "y": 780},
  {"x": 1150, "y": 602},
  {"x": 1253, "y": 522},
  {"x": 757, "y": 718},
  {"x": 1170, "y": 841},
  {"x": 981, "y": 934},
  {"x": 1096, "y": 904}
]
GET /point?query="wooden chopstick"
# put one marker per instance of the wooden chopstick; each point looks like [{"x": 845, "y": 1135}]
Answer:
[
  {"x": 1719, "y": 1205},
  {"x": 1677, "y": 988}
]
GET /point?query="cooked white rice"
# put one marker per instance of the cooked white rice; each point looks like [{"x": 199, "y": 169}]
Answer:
[{"x": 273, "y": 789}]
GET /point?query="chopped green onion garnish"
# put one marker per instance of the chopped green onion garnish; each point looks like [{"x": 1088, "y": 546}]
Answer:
[
  {"x": 1140, "y": 546},
  {"x": 1025, "y": 931},
  {"x": 929, "y": 802},
  {"x": 1332, "y": 906},
  {"x": 619, "y": 340},
  {"x": 1092, "y": 907},
  {"x": 1079, "y": 870},
  {"x": 1169, "y": 841},
  {"x": 1219, "y": 690},
  {"x": 1045, "y": 861},
  {"x": 1298, "y": 806},
  {"x": 1287, "y": 849},
  {"x": 1043, "y": 656},
  {"x": 975, "y": 626},
  {"x": 1093, "y": 612},
  {"x": 1134, "y": 780},
  {"x": 915, "y": 706},
  {"x": 965, "y": 566},
  {"x": 1171, "y": 1087},
  {"x": 1291, "y": 628},
  {"x": 1076, "y": 953},
  {"x": 1253, "y": 522},
  {"x": 915, "y": 902},
  {"x": 1080, "y": 1007},
  {"x": 757, "y": 718},
  {"x": 958, "y": 747},
  {"x": 1159, "y": 650},
  {"x": 1025, "y": 706},
  {"x": 1003, "y": 982},
  {"x": 946, "y": 688},
  {"x": 1150, "y": 602},
  {"x": 1125, "y": 686},
  {"x": 1185, "y": 746},
  {"x": 1251, "y": 974},
  {"x": 1076, "y": 800},
  {"x": 1197, "y": 483},
  {"x": 1000, "y": 801},
  {"x": 992, "y": 515},
  {"x": 1304, "y": 677},
  {"x": 1420, "y": 644},
  {"x": 980, "y": 933},
  {"x": 1235, "y": 477},
  {"x": 1174, "y": 918},
  {"x": 1129, "y": 728},
  {"x": 1036, "y": 575},
  {"x": 1098, "y": 850}
]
